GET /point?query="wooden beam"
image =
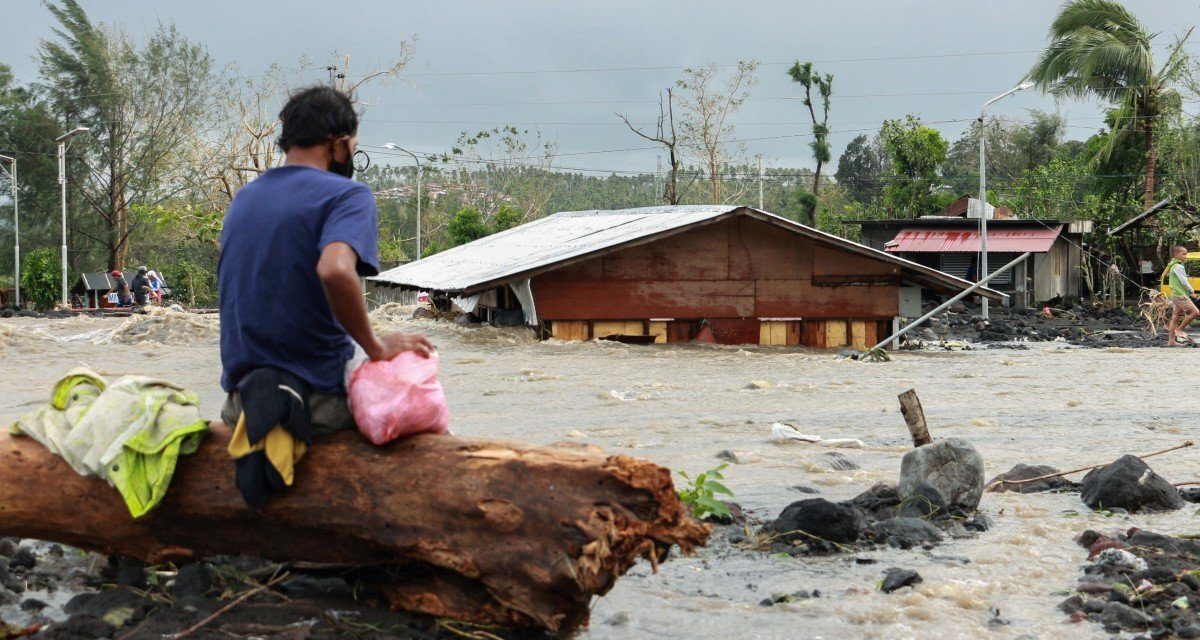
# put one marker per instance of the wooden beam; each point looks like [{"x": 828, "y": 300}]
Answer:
[{"x": 914, "y": 415}]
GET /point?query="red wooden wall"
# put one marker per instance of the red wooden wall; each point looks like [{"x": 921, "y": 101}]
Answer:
[{"x": 740, "y": 268}]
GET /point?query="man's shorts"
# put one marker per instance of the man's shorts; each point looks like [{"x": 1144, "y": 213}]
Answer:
[
  {"x": 1184, "y": 306},
  {"x": 329, "y": 413}
]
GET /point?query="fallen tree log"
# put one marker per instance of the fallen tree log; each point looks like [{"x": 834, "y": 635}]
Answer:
[{"x": 483, "y": 531}]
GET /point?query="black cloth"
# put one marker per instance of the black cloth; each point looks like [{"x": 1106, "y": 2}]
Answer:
[
  {"x": 122, "y": 288},
  {"x": 270, "y": 398},
  {"x": 141, "y": 289}
]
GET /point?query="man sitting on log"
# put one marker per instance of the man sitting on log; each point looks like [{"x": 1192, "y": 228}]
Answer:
[{"x": 294, "y": 244}]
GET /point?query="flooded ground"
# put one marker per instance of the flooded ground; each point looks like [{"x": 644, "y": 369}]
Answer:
[{"x": 680, "y": 405}]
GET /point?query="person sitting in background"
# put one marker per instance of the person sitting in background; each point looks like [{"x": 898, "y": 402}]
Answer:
[
  {"x": 140, "y": 287},
  {"x": 156, "y": 286},
  {"x": 120, "y": 289}
]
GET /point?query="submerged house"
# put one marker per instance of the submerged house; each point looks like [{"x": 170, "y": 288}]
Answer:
[
  {"x": 673, "y": 273},
  {"x": 949, "y": 241}
]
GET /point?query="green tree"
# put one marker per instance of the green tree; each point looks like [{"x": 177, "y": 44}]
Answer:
[
  {"x": 915, "y": 152},
  {"x": 860, "y": 169},
  {"x": 804, "y": 74},
  {"x": 147, "y": 107},
  {"x": 1099, "y": 49},
  {"x": 466, "y": 225},
  {"x": 41, "y": 278},
  {"x": 506, "y": 218}
]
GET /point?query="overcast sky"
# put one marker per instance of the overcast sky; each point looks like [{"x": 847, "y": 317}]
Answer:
[{"x": 938, "y": 59}]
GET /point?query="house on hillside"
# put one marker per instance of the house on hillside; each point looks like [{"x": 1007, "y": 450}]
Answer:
[
  {"x": 673, "y": 274},
  {"x": 949, "y": 241}
]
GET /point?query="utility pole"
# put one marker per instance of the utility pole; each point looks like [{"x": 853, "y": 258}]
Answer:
[
  {"x": 983, "y": 250},
  {"x": 12, "y": 177},
  {"x": 62, "y": 181},
  {"x": 760, "y": 185},
  {"x": 395, "y": 147}
]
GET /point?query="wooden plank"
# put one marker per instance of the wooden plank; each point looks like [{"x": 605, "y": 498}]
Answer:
[
  {"x": 679, "y": 331},
  {"x": 735, "y": 330},
  {"x": 763, "y": 251},
  {"x": 605, "y": 328},
  {"x": 792, "y": 338},
  {"x": 800, "y": 298},
  {"x": 872, "y": 334},
  {"x": 699, "y": 254},
  {"x": 764, "y": 334},
  {"x": 658, "y": 329},
  {"x": 566, "y": 299},
  {"x": 858, "y": 334},
  {"x": 835, "y": 333},
  {"x": 813, "y": 334}
]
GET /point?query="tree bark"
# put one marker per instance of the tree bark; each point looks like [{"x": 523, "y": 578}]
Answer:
[
  {"x": 1151, "y": 160},
  {"x": 484, "y": 531},
  {"x": 914, "y": 416}
]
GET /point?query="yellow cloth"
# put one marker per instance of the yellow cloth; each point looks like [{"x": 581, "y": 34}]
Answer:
[{"x": 282, "y": 450}]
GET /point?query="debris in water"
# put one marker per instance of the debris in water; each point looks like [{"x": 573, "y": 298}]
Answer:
[{"x": 897, "y": 578}]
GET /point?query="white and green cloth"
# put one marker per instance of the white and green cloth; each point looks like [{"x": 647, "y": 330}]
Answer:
[{"x": 130, "y": 433}]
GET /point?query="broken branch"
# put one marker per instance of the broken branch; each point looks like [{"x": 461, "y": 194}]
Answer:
[{"x": 992, "y": 487}]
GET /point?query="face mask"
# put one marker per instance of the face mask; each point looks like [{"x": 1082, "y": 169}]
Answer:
[{"x": 342, "y": 168}]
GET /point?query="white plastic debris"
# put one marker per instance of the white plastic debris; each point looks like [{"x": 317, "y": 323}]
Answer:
[
  {"x": 842, "y": 443},
  {"x": 783, "y": 432},
  {"x": 1119, "y": 559}
]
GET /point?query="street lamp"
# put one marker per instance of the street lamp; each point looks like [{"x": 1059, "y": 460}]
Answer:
[
  {"x": 395, "y": 147},
  {"x": 62, "y": 141},
  {"x": 983, "y": 252},
  {"x": 12, "y": 179}
]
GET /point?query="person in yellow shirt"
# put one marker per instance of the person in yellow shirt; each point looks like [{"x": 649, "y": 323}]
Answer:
[{"x": 1183, "y": 310}]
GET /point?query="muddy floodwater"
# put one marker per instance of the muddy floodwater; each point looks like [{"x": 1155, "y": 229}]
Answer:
[{"x": 681, "y": 405}]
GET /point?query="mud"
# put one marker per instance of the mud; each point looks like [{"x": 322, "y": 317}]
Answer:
[{"x": 1047, "y": 403}]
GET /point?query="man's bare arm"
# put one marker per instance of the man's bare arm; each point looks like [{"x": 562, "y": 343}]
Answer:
[{"x": 339, "y": 278}]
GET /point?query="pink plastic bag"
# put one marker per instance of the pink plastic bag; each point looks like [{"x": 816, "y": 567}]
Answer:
[{"x": 399, "y": 397}]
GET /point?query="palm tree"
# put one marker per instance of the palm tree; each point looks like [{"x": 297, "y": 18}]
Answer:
[{"x": 1099, "y": 49}]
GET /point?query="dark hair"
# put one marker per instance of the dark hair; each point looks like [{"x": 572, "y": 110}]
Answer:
[{"x": 315, "y": 116}]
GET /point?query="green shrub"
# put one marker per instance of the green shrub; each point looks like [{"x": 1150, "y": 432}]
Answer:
[
  {"x": 701, "y": 493},
  {"x": 41, "y": 278}
]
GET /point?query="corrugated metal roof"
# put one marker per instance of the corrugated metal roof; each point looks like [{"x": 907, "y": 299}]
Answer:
[
  {"x": 544, "y": 244},
  {"x": 1005, "y": 240}
]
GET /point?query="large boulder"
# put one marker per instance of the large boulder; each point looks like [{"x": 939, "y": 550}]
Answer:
[
  {"x": 805, "y": 520},
  {"x": 903, "y": 533},
  {"x": 1130, "y": 484},
  {"x": 1027, "y": 472},
  {"x": 952, "y": 466}
]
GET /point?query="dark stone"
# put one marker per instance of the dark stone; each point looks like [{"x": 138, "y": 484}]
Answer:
[
  {"x": 8, "y": 547},
  {"x": 193, "y": 581},
  {"x": 1156, "y": 575},
  {"x": 423, "y": 312},
  {"x": 839, "y": 462},
  {"x": 1123, "y": 616},
  {"x": 10, "y": 581},
  {"x": 924, "y": 501},
  {"x": 1187, "y": 631},
  {"x": 1093, "y": 605},
  {"x": 81, "y": 627},
  {"x": 897, "y": 578},
  {"x": 33, "y": 604},
  {"x": 1129, "y": 483},
  {"x": 1025, "y": 472},
  {"x": 880, "y": 496},
  {"x": 103, "y": 603},
  {"x": 23, "y": 559},
  {"x": 804, "y": 489},
  {"x": 126, "y": 571},
  {"x": 303, "y": 586},
  {"x": 1189, "y": 494},
  {"x": 1071, "y": 605},
  {"x": 818, "y": 518},
  {"x": 904, "y": 533},
  {"x": 977, "y": 522}
]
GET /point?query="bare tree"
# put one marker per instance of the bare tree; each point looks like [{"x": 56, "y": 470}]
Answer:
[
  {"x": 502, "y": 166},
  {"x": 707, "y": 110},
  {"x": 666, "y": 136}
]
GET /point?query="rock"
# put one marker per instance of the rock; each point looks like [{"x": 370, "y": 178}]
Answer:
[
  {"x": 8, "y": 546},
  {"x": 896, "y": 578},
  {"x": 804, "y": 489},
  {"x": 1071, "y": 604},
  {"x": 820, "y": 518},
  {"x": 23, "y": 559},
  {"x": 952, "y": 466},
  {"x": 879, "y": 497},
  {"x": 738, "y": 457},
  {"x": 839, "y": 462},
  {"x": 33, "y": 604},
  {"x": 851, "y": 354},
  {"x": 929, "y": 334},
  {"x": 193, "y": 581},
  {"x": 126, "y": 571},
  {"x": 1024, "y": 472},
  {"x": 81, "y": 627},
  {"x": 10, "y": 581},
  {"x": 1128, "y": 483},
  {"x": 115, "y": 606},
  {"x": 1113, "y": 561},
  {"x": 1189, "y": 494},
  {"x": 925, "y": 501},
  {"x": 957, "y": 307},
  {"x": 759, "y": 384},
  {"x": 1123, "y": 616},
  {"x": 423, "y": 312},
  {"x": 904, "y": 533},
  {"x": 463, "y": 319}
]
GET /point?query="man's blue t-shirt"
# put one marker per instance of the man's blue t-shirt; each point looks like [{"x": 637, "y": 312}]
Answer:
[{"x": 273, "y": 309}]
